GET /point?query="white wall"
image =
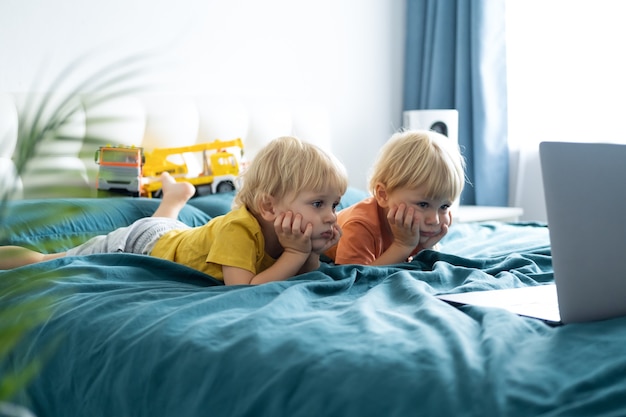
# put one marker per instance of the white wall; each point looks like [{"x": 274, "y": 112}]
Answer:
[{"x": 343, "y": 55}]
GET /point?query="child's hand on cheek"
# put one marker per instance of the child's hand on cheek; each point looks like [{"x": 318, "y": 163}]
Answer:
[
  {"x": 337, "y": 232},
  {"x": 405, "y": 225},
  {"x": 445, "y": 225},
  {"x": 432, "y": 241},
  {"x": 288, "y": 228}
]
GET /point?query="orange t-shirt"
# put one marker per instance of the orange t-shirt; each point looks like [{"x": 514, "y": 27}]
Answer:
[{"x": 365, "y": 234}]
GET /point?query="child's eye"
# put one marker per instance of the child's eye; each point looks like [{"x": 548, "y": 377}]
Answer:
[
  {"x": 335, "y": 205},
  {"x": 422, "y": 204},
  {"x": 318, "y": 204},
  {"x": 445, "y": 207}
]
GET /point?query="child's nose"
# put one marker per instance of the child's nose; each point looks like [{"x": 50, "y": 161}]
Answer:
[
  {"x": 432, "y": 217},
  {"x": 330, "y": 216}
]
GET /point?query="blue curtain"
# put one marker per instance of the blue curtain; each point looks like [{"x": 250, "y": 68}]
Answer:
[{"x": 455, "y": 58}]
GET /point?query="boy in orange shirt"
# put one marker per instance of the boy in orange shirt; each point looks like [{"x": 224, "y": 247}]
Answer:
[{"x": 417, "y": 177}]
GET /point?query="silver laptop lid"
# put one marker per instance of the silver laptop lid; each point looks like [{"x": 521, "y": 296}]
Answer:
[{"x": 585, "y": 194}]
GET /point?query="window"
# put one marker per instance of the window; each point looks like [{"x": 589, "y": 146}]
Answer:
[{"x": 566, "y": 70}]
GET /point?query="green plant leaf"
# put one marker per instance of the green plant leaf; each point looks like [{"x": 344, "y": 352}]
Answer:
[{"x": 25, "y": 303}]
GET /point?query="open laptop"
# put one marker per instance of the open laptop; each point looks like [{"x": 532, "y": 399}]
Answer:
[{"x": 585, "y": 194}]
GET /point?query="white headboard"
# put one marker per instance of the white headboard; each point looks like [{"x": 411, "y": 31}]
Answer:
[{"x": 64, "y": 166}]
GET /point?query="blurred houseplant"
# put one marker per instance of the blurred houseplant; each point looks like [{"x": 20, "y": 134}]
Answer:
[{"x": 24, "y": 305}]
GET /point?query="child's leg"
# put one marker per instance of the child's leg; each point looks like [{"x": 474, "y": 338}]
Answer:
[
  {"x": 16, "y": 256},
  {"x": 175, "y": 196}
]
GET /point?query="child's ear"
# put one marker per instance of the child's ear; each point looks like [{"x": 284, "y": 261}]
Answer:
[
  {"x": 381, "y": 195},
  {"x": 266, "y": 207}
]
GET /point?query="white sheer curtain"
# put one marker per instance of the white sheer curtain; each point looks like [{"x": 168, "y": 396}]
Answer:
[{"x": 566, "y": 82}]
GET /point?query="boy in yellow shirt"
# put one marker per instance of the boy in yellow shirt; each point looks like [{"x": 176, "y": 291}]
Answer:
[
  {"x": 284, "y": 217},
  {"x": 415, "y": 180}
]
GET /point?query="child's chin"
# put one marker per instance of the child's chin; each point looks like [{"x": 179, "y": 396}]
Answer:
[
  {"x": 319, "y": 245},
  {"x": 424, "y": 239}
]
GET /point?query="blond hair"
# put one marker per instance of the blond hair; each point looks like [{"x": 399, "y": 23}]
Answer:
[
  {"x": 288, "y": 165},
  {"x": 420, "y": 158}
]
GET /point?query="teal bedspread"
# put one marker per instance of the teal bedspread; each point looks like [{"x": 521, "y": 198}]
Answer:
[{"x": 136, "y": 336}]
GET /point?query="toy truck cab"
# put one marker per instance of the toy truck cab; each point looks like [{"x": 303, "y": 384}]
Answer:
[
  {"x": 225, "y": 169},
  {"x": 119, "y": 170}
]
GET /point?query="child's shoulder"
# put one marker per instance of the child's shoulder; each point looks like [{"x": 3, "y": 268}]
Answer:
[
  {"x": 366, "y": 208},
  {"x": 237, "y": 216},
  {"x": 364, "y": 204}
]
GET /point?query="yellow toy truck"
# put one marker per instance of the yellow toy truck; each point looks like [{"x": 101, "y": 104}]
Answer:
[
  {"x": 120, "y": 170},
  {"x": 211, "y": 167}
]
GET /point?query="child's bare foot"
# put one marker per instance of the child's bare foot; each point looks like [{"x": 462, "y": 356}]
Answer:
[
  {"x": 175, "y": 196},
  {"x": 180, "y": 191}
]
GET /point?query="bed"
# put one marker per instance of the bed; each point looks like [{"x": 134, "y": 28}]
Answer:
[
  {"x": 122, "y": 335},
  {"x": 135, "y": 336}
]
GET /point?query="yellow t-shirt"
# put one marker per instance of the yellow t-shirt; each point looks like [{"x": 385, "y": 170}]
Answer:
[{"x": 234, "y": 239}]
